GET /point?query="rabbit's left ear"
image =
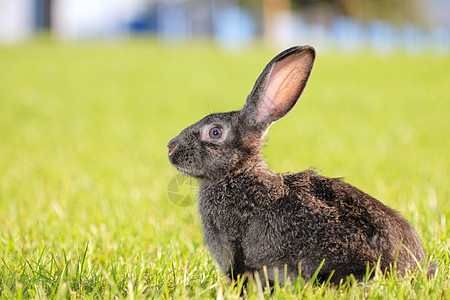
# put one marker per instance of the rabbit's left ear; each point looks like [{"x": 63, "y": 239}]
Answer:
[{"x": 279, "y": 86}]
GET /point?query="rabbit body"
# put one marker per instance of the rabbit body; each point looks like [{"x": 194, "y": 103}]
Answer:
[
  {"x": 260, "y": 218},
  {"x": 254, "y": 218}
]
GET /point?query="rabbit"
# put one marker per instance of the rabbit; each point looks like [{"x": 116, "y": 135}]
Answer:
[{"x": 256, "y": 220}]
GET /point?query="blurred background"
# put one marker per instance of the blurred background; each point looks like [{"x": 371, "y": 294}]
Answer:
[
  {"x": 379, "y": 25},
  {"x": 91, "y": 91}
]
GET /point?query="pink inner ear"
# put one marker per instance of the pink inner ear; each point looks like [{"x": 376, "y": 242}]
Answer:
[{"x": 284, "y": 86}]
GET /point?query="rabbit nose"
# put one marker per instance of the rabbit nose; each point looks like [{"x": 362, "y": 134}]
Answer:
[{"x": 171, "y": 146}]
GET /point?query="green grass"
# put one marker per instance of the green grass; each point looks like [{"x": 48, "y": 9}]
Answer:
[{"x": 84, "y": 210}]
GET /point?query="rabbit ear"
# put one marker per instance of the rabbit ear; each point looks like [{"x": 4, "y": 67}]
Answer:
[{"x": 279, "y": 86}]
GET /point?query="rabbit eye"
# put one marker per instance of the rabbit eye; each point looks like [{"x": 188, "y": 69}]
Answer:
[{"x": 215, "y": 133}]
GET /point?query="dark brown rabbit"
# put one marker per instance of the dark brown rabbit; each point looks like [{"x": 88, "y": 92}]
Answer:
[{"x": 254, "y": 218}]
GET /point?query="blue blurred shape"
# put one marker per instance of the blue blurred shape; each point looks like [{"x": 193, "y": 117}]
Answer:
[
  {"x": 234, "y": 27},
  {"x": 382, "y": 37},
  {"x": 347, "y": 34},
  {"x": 440, "y": 40},
  {"x": 414, "y": 40},
  {"x": 172, "y": 21},
  {"x": 146, "y": 21}
]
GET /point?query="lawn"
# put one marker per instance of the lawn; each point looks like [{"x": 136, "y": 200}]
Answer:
[{"x": 84, "y": 205}]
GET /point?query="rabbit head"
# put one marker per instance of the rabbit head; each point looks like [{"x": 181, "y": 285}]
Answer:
[{"x": 226, "y": 143}]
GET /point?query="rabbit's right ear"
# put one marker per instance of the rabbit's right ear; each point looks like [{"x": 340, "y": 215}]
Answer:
[{"x": 279, "y": 86}]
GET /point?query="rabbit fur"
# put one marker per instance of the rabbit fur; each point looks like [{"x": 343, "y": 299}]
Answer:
[{"x": 254, "y": 218}]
